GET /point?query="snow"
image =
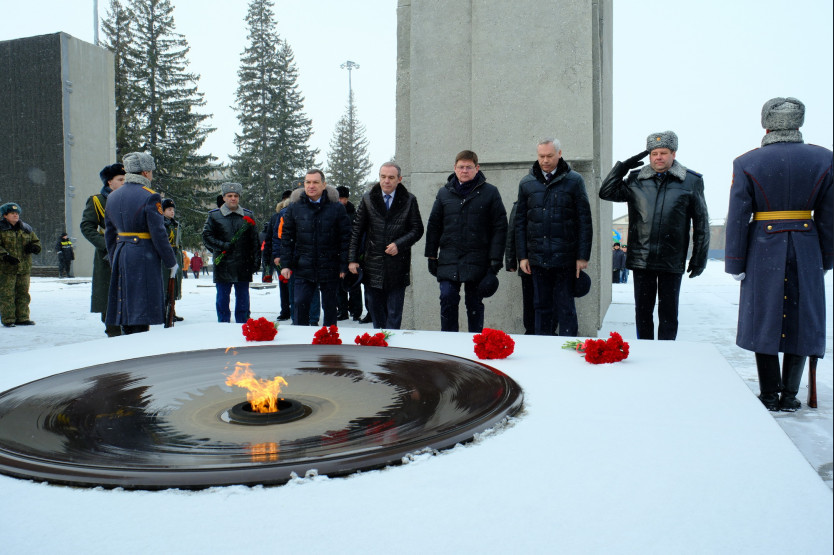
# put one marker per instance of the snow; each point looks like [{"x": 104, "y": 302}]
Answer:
[{"x": 668, "y": 451}]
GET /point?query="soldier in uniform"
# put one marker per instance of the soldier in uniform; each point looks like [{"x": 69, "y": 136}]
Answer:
[
  {"x": 66, "y": 255},
  {"x": 138, "y": 248},
  {"x": 780, "y": 243},
  {"x": 92, "y": 228},
  {"x": 18, "y": 242},
  {"x": 172, "y": 228}
]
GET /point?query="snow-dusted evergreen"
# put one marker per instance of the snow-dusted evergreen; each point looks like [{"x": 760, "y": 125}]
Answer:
[
  {"x": 157, "y": 102},
  {"x": 273, "y": 145},
  {"x": 348, "y": 163}
]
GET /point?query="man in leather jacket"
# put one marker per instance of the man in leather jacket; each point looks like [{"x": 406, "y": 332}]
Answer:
[{"x": 665, "y": 200}]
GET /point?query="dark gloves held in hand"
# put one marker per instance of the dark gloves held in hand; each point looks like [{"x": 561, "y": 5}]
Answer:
[
  {"x": 433, "y": 266},
  {"x": 695, "y": 271},
  {"x": 495, "y": 266},
  {"x": 31, "y": 248},
  {"x": 635, "y": 161},
  {"x": 9, "y": 259}
]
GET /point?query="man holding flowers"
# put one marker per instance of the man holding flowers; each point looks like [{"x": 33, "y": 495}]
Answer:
[{"x": 231, "y": 234}]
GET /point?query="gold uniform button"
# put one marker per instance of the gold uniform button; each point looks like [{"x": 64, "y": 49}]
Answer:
[
  {"x": 783, "y": 335},
  {"x": 786, "y": 297},
  {"x": 804, "y": 225},
  {"x": 769, "y": 227}
]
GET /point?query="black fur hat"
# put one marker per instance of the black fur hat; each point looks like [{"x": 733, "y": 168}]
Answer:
[{"x": 111, "y": 171}]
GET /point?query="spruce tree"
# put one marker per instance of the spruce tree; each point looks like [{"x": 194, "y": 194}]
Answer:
[
  {"x": 348, "y": 163},
  {"x": 157, "y": 107},
  {"x": 117, "y": 36},
  {"x": 272, "y": 147}
]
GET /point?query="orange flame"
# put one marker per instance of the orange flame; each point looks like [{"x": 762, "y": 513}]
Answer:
[
  {"x": 264, "y": 452},
  {"x": 262, "y": 394}
]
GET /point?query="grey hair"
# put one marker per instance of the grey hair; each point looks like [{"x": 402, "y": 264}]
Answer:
[
  {"x": 392, "y": 164},
  {"x": 549, "y": 140}
]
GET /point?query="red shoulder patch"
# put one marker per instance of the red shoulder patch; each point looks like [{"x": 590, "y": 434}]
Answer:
[{"x": 159, "y": 207}]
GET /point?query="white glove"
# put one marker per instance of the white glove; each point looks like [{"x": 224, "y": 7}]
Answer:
[
  {"x": 174, "y": 269},
  {"x": 739, "y": 277}
]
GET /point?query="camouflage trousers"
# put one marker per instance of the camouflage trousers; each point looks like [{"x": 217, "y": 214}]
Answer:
[{"x": 14, "y": 297}]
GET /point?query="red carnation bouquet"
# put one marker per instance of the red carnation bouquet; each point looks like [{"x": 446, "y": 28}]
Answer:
[
  {"x": 249, "y": 222},
  {"x": 260, "y": 329},
  {"x": 601, "y": 351},
  {"x": 375, "y": 340},
  {"x": 327, "y": 336},
  {"x": 493, "y": 344}
]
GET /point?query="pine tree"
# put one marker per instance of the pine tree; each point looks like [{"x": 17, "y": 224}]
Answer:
[
  {"x": 348, "y": 163},
  {"x": 272, "y": 148},
  {"x": 156, "y": 107},
  {"x": 117, "y": 36}
]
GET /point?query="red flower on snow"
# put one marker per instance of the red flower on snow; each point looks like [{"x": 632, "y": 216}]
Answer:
[
  {"x": 260, "y": 329},
  {"x": 601, "y": 351},
  {"x": 493, "y": 344},
  {"x": 375, "y": 340},
  {"x": 327, "y": 336}
]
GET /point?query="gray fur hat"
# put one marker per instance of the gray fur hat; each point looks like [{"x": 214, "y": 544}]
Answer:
[
  {"x": 662, "y": 139},
  {"x": 9, "y": 207},
  {"x": 137, "y": 162},
  {"x": 783, "y": 113},
  {"x": 231, "y": 188}
]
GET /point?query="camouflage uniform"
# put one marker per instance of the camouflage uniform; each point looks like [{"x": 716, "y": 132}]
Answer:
[{"x": 20, "y": 242}]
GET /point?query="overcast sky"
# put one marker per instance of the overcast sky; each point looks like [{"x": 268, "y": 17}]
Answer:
[{"x": 702, "y": 69}]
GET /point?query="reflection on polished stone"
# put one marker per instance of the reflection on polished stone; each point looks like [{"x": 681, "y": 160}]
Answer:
[{"x": 167, "y": 421}]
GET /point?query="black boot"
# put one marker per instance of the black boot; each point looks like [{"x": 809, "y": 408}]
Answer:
[
  {"x": 770, "y": 382},
  {"x": 792, "y": 368}
]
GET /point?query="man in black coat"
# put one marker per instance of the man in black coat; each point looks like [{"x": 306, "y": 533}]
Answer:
[
  {"x": 388, "y": 218},
  {"x": 231, "y": 234},
  {"x": 349, "y": 298},
  {"x": 314, "y": 246},
  {"x": 554, "y": 233},
  {"x": 66, "y": 255},
  {"x": 468, "y": 226},
  {"x": 665, "y": 200}
]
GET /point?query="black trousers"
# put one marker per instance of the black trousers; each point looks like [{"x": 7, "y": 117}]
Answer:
[{"x": 665, "y": 287}]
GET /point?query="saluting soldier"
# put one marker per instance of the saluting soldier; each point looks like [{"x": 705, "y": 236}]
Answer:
[
  {"x": 781, "y": 254},
  {"x": 138, "y": 247},
  {"x": 92, "y": 228}
]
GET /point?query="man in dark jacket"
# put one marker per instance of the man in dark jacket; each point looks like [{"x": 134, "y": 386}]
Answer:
[
  {"x": 468, "y": 226},
  {"x": 231, "y": 234},
  {"x": 138, "y": 248},
  {"x": 92, "y": 228},
  {"x": 389, "y": 220},
  {"x": 617, "y": 264},
  {"x": 314, "y": 245},
  {"x": 66, "y": 255},
  {"x": 781, "y": 254},
  {"x": 664, "y": 200},
  {"x": 349, "y": 299},
  {"x": 554, "y": 233},
  {"x": 528, "y": 313}
]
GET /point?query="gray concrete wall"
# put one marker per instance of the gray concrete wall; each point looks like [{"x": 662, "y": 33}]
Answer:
[
  {"x": 89, "y": 132},
  {"x": 495, "y": 77}
]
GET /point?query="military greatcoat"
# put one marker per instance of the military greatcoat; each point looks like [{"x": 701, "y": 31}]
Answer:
[{"x": 784, "y": 249}]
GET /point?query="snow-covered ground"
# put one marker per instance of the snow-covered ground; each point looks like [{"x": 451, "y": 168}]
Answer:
[{"x": 664, "y": 449}]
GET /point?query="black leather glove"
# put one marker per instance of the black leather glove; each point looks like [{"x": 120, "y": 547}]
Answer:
[
  {"x": 31, "y": 248},
  {"x": 9, "y": 259},
  {"x": 433, "y": 266},
  {"x": 635, "y": 161},
  {"x": 495, "y": 266},
  {"x": 695, "y": 271}
]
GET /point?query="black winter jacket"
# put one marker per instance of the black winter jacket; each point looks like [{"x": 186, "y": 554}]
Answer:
[
  {"x": 401, "y": 225},
  {"x": 242, "y": 257},
  {"x": 470, "y": 232},
  {"x": 553, "y": 226},
  {"x": 659, "y": 216},
  {"x": 314, "y": 238}
]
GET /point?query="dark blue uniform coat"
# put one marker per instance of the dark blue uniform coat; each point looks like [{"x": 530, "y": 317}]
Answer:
[
  {"x": 136, "y": 290},
  {"x": 782, "y": 304}
]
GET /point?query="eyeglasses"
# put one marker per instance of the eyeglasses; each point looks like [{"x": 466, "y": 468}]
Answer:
[{"x": 465, "y": 168}]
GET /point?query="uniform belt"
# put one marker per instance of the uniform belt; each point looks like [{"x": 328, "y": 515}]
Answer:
[
  {"x": 140, "y": 235},
  {"x": 783, "y": 215}
]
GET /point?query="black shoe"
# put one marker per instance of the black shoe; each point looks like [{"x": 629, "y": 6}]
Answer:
[
  {"x": 341, "y": 317},
  {"x": 770, "y": 401},
  {"x": 788, "y": 403},
  {"x": 282, "y": 317},
  {"x": 367, "y": 319},
  {"x": 24, "y": 323},
  {"x": 178, "y": 318},
  {"x": 9, "y": 325}
]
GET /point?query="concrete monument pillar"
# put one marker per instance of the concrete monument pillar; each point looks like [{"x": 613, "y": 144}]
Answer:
[{"x": 496, "y": 77}]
